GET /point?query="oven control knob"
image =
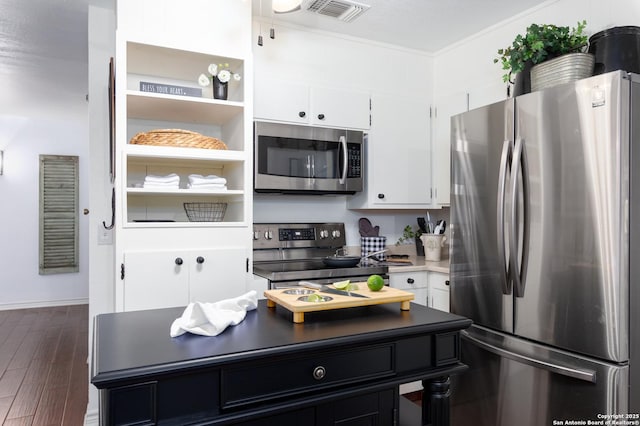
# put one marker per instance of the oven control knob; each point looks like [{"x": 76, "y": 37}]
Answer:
[
  {"x": 335, "y": 234},
  {"x": 256, "y": 235},
  {"x": 268, "y": 235},
  {"x": 324, "y": 234}
]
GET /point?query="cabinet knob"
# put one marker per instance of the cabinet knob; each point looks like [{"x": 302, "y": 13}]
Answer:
[
  {"x": 410, "y": 280},
  {"x": 302, "y": 114},
  {"x": 179, "y": 261},
  {"x": 446, "y": 282},
  {"x": 319, "y": 372},
  {"x": 200, "y": 259},
  {"x": 320, "y": 116},
  {"x": 381, "y": 196}
]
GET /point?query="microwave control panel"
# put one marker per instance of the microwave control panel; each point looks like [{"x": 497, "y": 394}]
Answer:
[{"x": 354, "y": 158}]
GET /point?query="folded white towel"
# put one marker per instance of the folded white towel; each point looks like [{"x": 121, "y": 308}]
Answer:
[
  {"x": 218, "y": 186},
  {"x": 167, "y": 185},
  {"x": 162, "y": 179},
  {"x": 211, "y": 319},
  {"x": 199, "y": 179}
]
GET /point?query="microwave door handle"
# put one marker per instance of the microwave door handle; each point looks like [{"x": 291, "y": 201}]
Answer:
[{"x": 343, "y": 176}]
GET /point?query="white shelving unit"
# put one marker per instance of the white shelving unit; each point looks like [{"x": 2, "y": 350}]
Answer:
[{"x": 152, "y": 226}]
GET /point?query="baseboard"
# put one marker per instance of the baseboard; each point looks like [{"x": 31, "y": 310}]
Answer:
[
  {"x": 45, "y": 304},
  {"x": 92, "y": 418}
]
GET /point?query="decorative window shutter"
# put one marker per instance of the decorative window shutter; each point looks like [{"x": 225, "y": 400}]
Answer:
[{"x": 58, "y": 214}]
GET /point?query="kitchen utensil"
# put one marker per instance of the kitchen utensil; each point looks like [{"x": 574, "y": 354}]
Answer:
[
  {"x": 422, "y": 224},
  {"x": 444, "y": 226},
  {"x": 437, "y": 229},
  {"x": 429, "y": 224},
  {"x": 338, "y": 261},
  {"x": 326, "y": 289}
]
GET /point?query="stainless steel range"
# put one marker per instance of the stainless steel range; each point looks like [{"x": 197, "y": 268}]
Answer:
[{"x": 286, "y": 253}]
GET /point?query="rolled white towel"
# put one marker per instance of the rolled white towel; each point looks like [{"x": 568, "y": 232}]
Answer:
[
  {"x": 170, "y": 178},
  {"x": 206, "y": 180},
  {"x": 211, "y": 319}
]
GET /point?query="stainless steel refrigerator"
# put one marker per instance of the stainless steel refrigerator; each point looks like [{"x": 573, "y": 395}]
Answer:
[{"x": 545, "y": 254}]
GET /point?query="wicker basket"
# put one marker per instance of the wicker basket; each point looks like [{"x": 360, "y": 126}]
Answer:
[
  {"x": 205, "y": 212},
  {"x": 177, "y": 138}
]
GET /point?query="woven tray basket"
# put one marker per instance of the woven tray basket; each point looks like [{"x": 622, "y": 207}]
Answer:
[{"x": 177, "y": 138}]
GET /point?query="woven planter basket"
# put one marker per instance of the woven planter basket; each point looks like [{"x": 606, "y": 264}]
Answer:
[{"x": 177, "y": 138}]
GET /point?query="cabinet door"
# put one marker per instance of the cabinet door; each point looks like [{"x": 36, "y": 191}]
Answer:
[
  {"x": 217, "y": 274},
  {"x": 414, "y": 282},
  {"x": 376, "y": 408},
  {"x": 339, "y": 108},
  {"x": 281, "y": 101},
  {"x": 399, "y": 167},
  {"x": 155, "y": 280},
  {"x": 439, "y": 291},
  {"x": 447, "y": 107}
]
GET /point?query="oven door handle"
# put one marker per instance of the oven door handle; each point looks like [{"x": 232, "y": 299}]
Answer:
[{"x": 343, "y": 176}]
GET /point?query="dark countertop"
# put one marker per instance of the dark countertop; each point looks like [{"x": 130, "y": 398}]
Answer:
[{"x": 136, "y": 344}]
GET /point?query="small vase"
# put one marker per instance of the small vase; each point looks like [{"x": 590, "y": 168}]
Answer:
[{"x": 220, "y": 89}]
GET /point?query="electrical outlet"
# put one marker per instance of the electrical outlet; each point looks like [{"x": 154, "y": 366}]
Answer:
[{"x": 105, "y": 236}]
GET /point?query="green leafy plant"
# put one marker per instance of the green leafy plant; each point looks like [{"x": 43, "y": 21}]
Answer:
[
  {"x": 408, "y": 234},
  {"x": 540, "y": 43}
]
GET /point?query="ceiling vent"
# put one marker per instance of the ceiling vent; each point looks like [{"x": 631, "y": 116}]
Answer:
[{"x": 343, "y": 10}]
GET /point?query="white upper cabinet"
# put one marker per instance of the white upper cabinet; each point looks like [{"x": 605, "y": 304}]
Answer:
[
  {"x": 398, "y": 163},
  {"x": 339, "y": 108},
  {"x": 446, "y": 107},
  {"x": 303, "y": 104}
]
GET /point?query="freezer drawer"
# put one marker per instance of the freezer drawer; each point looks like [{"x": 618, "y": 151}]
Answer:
[{"x": 511, "y": 381}]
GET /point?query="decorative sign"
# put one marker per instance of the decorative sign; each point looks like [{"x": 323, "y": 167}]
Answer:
[{"x": 168, "y": 89}]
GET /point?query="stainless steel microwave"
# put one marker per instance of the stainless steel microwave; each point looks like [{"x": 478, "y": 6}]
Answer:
[{"x": 307, "y": 160}]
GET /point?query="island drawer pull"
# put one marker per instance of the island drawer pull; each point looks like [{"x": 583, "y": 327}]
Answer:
[{"x": 319, "y": 372}]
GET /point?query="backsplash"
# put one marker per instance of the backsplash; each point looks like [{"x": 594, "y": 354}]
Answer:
[{"x": 327, "y": 208}]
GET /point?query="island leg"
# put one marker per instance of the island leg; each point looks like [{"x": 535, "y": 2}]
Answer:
[{"x": 435, "y": 401}]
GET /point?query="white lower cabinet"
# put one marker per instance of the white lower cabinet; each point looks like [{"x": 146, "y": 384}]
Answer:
[
  {"x": 414, "y": 282},
  {"x": 439, "y": 291},
  {"x": 159, "y": 279}
]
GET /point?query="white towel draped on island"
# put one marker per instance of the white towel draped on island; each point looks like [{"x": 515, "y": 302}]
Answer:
[{"x": 211, "y": 319}]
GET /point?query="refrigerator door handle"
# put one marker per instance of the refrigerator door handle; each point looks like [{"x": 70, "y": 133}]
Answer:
[
  {"x": 585, "y": 375},
  {"x": 505, "y": 161},
  {"x": 519, "y": 166}
]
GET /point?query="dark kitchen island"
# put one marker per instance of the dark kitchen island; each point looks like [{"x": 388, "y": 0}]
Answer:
[{"x": 338, "y": 367}]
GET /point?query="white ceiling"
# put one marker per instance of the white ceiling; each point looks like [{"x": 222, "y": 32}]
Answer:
[
  {"x": 427, "y": 25},
  {"x": 41, "y": 39}
]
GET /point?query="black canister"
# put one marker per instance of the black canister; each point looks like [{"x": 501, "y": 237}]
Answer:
[{"x": 616, "y": 48}]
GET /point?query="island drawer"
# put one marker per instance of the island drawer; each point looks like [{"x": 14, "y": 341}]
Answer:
[{"x": 284, "y": 376}]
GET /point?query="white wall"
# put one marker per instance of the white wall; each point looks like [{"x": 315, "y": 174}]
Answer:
[
  {"x": 468, "y": 65},
  {"x": 325, "y": 59},
  {"x": 41, "y": 112}
]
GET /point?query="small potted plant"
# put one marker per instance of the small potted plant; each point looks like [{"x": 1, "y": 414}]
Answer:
[
  {"x": 219, "y": 75},
  {"x": 540, "y": 43},
  {"x": 408, "y": 234}
]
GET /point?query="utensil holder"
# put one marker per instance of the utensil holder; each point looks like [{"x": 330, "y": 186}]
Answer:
[
  {"x": 372, "y": 245},
  {"x": 433, "y": 246}
]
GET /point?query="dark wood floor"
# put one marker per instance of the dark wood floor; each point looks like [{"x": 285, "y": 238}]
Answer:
[{"x": 43, "y": 366}]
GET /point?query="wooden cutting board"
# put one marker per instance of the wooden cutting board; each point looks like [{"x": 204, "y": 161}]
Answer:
[{"x": 292, "y": 303}]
